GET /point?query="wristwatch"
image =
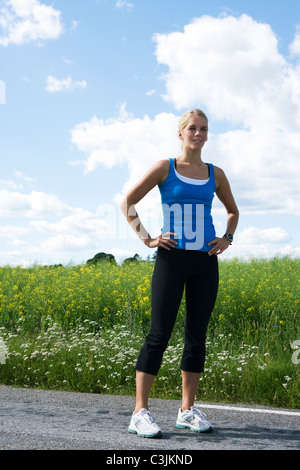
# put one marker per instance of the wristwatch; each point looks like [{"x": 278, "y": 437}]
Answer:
[{"x": 229, "y": 237}]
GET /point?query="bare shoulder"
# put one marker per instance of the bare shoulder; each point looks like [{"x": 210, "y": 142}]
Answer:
[
  {"x": 161, "y": 170},
  {"x": 219, "y": 173},
  {"x": 220, "y": 177},
  {"x": 163, "y": 164}
]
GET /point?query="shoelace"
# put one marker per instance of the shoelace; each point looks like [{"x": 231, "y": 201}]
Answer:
[
  {"x": 147, "y": 415},
  {"x": 198, "y": 412}
]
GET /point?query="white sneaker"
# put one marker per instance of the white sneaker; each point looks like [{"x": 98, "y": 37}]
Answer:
[
  {"x": 144, "y": 425},
  {"x": 193, "y": 419}
]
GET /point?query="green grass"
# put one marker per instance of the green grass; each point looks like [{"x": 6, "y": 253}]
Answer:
[{"x": 80, "y": 328}]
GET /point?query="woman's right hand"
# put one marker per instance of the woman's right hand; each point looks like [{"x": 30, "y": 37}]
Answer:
[{"x": 164, "y": 241}]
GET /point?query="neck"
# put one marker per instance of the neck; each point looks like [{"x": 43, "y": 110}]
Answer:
[{"x": 190, "y": 156}]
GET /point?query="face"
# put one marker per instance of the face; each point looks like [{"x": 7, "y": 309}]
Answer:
[{"x": 194, "y": 135}]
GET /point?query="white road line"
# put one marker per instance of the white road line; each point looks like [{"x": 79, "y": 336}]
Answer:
[{"x": 251, "y": 410}]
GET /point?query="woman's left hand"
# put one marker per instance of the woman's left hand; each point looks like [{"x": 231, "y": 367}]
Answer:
[{"x": 219, "y": 245}]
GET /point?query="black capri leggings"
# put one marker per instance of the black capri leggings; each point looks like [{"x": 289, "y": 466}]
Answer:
[{"x": 173, "y": 270}]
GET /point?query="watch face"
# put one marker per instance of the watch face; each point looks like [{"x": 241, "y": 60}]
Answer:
[{"x": 230, "y": 236}]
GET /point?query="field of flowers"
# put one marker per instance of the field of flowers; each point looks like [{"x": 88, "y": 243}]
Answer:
[{"x": 80, "y": 328}]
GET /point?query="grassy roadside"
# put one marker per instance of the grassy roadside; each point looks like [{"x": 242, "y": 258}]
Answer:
[{"x": 81, "y": 328}]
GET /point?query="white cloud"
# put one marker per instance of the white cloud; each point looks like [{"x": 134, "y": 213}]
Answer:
[
  {"x": 66, "y": 84},
  {"x": 255, "y": 236},
  {"x": 138, "y": 141},
  {"x": 8, "y": 257},
  {"x": 120, "y": 253},
  {"x": 44, "y": 228},
  {"x": 120, "y": 4},
  {"x": 220, "y": 62},
  {"x": 252, "y": 242},
  {"x": 2, "y": 92},
  {"x": 33, "y": 205},
  {"x": 232, "y": 67},
  {"x": 150, "y": 92},
  {"x": 18, "y": 183},
  {"x": 11, "y": 231},
  {"x": 80, "y": 222},
  {"x": 262, "y": 250},
  {"x": 295, "y": 45},
  {"x": 10, "y": 184},
  {"x": 23, "y": 177},
  {"x": 67, "y": 242},
  {"x": 24, "y": 21}
]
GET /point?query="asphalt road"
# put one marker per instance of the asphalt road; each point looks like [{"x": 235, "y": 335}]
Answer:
[{"x": 50, "y": 420}]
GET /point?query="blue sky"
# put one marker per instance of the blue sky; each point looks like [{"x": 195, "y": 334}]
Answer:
[{"x": 90, "y": 96}]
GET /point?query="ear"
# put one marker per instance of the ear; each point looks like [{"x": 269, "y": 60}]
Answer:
[{"x": 180, "y": 135}]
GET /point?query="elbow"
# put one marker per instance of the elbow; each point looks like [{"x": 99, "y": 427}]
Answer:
[
  {"x": 234, "y": 211},
  {"x": 235, "y": 216},
  {"x": 126, "y": 206}
]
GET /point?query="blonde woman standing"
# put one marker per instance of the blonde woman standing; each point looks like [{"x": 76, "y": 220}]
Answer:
[{"x": 187, "y": 252}]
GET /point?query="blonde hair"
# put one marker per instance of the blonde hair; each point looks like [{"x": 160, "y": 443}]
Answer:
[{"x": 183, "y": 121}]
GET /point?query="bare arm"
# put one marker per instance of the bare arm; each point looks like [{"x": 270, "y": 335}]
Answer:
[
  {"x": 156, "y": 175},
  {"x": 223, "y": 191}
]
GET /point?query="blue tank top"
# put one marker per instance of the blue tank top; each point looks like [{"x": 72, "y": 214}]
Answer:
[{"x": 186, "y": 204}]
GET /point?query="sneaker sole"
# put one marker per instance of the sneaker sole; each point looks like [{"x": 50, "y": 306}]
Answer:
[
  {"x": 184, "y": 426},
  {"x": 158, "y": 434}
]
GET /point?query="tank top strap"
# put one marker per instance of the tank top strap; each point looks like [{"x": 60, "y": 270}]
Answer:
[{"x": 212, "y": 173}]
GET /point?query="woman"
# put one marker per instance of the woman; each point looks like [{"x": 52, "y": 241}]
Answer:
[{"x": 186, "y": 252}]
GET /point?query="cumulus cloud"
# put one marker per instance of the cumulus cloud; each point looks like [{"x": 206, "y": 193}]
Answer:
[
  {"x": 30, "y": 243},
  {"x": 43, "y": 227},
  {"x": 266, "y": 243},
  {"x": 137, "y": 141},
  {"x": 80, "y": 222},
  {"x": 255, "y": 236},
  {"x": 66, "y": 242},
  {"x": 23, "y": 21},
  {"x": 295, "y": 44},
  {"x": 67, "y": 84},
  {"x": 54, "y": 229},
  {"x": 12, "y": 231},
  {"x": 33, "y": 205},
  {"x": 221, "y": 63}
]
